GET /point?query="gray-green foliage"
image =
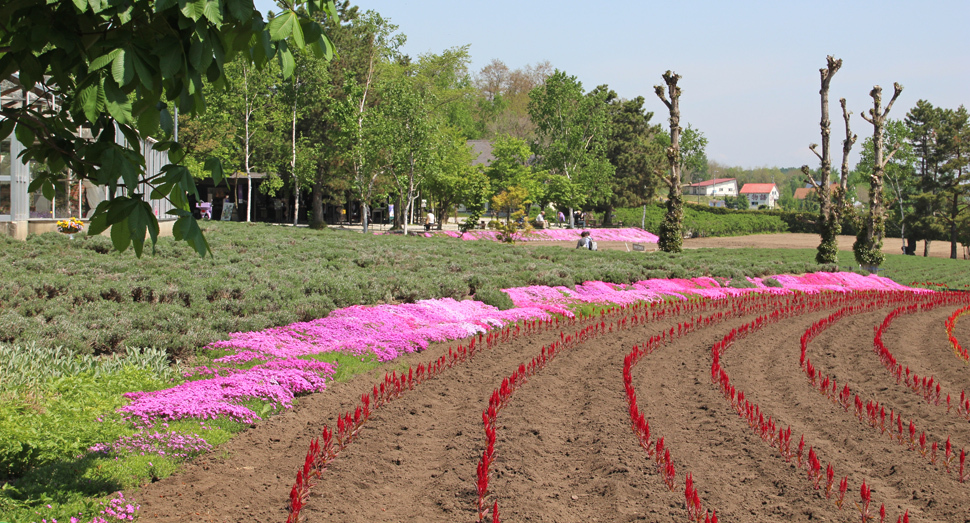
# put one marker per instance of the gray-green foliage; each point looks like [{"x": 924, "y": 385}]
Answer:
[{"x": 31, "y": 365}]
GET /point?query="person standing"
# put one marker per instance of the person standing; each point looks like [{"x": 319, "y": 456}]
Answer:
[{"x": 561, "y": 218}]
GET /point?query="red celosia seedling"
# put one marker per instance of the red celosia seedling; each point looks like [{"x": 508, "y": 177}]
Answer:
[
  {"x": 863, "y": 506},
  {"x": 829, "y": 481},
  {"x": 843, "y": 487}
]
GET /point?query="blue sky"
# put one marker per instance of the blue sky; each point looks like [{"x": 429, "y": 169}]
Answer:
[{"x": 749, "y": 70}]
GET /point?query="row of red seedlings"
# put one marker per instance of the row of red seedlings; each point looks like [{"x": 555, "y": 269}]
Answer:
[
  {"x": 778, "y": 437},
  {"x": 501, "y": 396},
  {"x": 951, "y": 324},
  {"x": 324, "y": 450},
  {"x": 926, "y": 386},
  {"x": 871, "y": 412},
  {"x": 637, "y": 314}
]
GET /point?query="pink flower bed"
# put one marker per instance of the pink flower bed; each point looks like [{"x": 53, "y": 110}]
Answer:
[
  {"x": 560, "y": 299},
  {"x": 384, "y": 330},
  {"x": 627, "y": 234}
]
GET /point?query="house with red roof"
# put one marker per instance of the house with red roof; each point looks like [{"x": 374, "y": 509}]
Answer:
[
  {"x": 715, "y": 187},
  {"x": 759, "y": 194}
]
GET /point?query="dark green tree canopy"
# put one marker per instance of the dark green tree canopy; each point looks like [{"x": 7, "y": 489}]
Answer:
[{"x": 113, "y": 66}]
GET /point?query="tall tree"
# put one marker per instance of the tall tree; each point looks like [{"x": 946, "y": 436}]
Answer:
[
  {"x": 829, "y": 227},
  {"x": 953, "y": 139},
  {"x": 153, "y": 49},
  {"x": 868, "y": 244},
  {"x": 633, "y": 152},
  {"x": 672, "y": 228},
  {"x": 571, "y": 133},
  {"x": 902, "y": 185}
]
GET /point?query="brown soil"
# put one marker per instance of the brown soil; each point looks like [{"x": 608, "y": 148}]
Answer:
[{"x": 565, "y": 451}]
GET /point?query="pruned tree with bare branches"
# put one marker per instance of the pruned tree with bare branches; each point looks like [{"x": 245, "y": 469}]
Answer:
[
  {"x": 672, "y": 228},
  {"x": 868, "y": 244},
  {"x": 829, "y": 215},
  {"x": 840, "y": 201}
]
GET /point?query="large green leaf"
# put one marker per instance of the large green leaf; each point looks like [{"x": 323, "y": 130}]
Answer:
[
  {"x": 281, "y": 27},
  {"x": 89, "y": 98},
  {"x": 117, "y": 101},
  {"x": 214, "y": 166},
  {"x": 105, "y": 59},
  {"x": 193, "y": 9},
  {"x": 121, "y": 235},
  {"x": 116, "y": 164},
  {"x": 213, "y": 12}
]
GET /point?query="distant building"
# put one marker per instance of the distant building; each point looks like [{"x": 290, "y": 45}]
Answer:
[
  {"x": 715, "y": 187},
  {"x": 803, "y": 192},
  {"x": 759, "y": 194}
]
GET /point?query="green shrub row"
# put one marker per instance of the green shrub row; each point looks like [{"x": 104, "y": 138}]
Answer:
[{"x": 703, "y": 222}]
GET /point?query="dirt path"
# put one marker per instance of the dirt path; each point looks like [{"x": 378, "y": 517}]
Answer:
[{"x": 565, "y": 451}]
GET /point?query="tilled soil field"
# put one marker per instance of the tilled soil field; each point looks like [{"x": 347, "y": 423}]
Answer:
[{"x": 565, "y": 450}]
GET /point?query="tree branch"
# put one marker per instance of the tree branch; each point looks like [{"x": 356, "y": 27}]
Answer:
[
  {"x": 897, "y": 90},
  {"x": 812, "y": 147},
  {"x": 811, "y": 179}
]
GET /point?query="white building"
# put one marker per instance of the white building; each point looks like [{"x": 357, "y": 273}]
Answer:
[
  {"x": 715, "y": 187},
  {"x": 23, "y": 212},
  {"x": 759, "y": 194}
]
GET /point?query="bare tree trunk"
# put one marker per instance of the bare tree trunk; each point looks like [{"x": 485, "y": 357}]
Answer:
[
  {"x": 828, "y": 247},
  {"x": 296, "y": 180},
  {"x": 316, "y": 201},
  {"x": 249, "y": 114},
  {"x": 868, "y": 244},
  {"x": 672, "y": 228}
]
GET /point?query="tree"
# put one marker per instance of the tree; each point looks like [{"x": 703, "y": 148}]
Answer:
[
  {"x": 672, "y": 228},
  {"x": 829, "y": 222},
  {"x": 411, "y": 129},
  {"x": 902, "y": 184},
  {"x": 953, "y": 152},
  {"x": 634, "y": 153},
  {"x": 693, "y": 155},
  {"x": 510, "y": 168},
  {"x": 571, "y": 133},
  {"x": 868, "y": 244},
  {"x": 159, "y": 53}
]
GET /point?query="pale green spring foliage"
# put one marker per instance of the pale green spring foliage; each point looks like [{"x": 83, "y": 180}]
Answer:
[{"x": 31, "y": 366}]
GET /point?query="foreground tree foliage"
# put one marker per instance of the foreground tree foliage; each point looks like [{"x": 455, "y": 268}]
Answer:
[{"x": 124, "y": 67}]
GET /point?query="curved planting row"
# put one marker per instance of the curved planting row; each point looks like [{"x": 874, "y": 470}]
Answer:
[
  {"x": 778, "y": 437},
  {"x": 324, "y": 450},
  {"x": 631, "y": 316},
  {"x": 634, "y": 315},
  {"x": 951, "y": 323},
  {"x": 638, "y": 421},
  {"x": 927, "y": 386},
  {"x": 871, "y": 413}
]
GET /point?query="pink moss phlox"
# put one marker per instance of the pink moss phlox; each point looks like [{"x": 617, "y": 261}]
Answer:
[
  {"x": 173, "y": 444},
  {"x": 384, "y": 330},
  {"x": 626, "y": 234},
  {"x": 561, "y": 299},
  {"x": 220, "y": 396}
]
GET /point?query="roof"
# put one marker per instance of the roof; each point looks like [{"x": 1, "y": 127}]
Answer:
[
  {"x": 482, "y": 149},
  {"x": 802, "y": 192},
  {"x": 757, "y": 188},
  {"x": 713, "y": 182}
]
